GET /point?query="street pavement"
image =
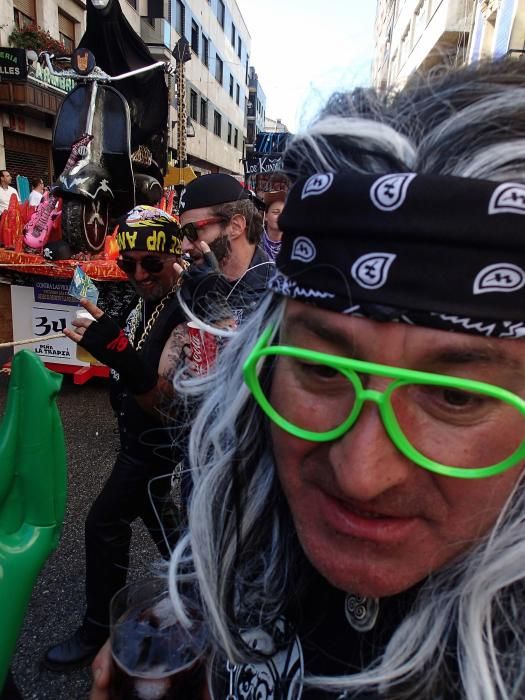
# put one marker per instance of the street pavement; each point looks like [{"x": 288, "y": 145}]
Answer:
[{"x": 57, "y": 602}]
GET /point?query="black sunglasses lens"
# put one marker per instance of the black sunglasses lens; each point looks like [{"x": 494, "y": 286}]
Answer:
[
  {"x": 149, "y": 264},
  {"x": 127, "y": 265},
  {"x": 190, "y": 232},
  {"x": 152, "y": 264}
]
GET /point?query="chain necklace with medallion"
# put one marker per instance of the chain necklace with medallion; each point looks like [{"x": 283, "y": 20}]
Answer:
[{"x": 139, "y": 313}]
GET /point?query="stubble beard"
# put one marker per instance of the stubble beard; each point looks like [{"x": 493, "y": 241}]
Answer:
[{"x": 221, "y": 248}]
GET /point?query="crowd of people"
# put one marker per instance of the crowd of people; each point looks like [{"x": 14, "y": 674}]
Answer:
[
  {"x": 219, "y": 222},
  {"x": 7, "y": 190},
  {"x": 351, "y": 466}
]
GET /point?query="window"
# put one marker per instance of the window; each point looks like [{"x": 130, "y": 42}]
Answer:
[
  {"x": 204, "y": 112},
  {"x": 239, "y": 47},
  {"x": 233, "y": 35},
  {"x": 238, "y": 94},
  {"x": 149, "y": 20},
  {"x": 236, "y": 138},
  {"x": 180, "y": 17},
  {"x": 231, "y": 86},
  {"x": 229, "y": 132},
  {"x": 247, "y": 62},
  {"x": 219, "y": 69},
  {"x": 24, "y": 12},
  {"x": 220, "y": 12},
  {"x": 205, "y": 51},
  {"x": 420, "y": 17},
  {"x": 21, "y": 20},
  {"x": 195, "y": 36},
  {"x": 217, "y": 119},
  {"x": 66, "y": 30},
  {"x": 193, "y": 104}
]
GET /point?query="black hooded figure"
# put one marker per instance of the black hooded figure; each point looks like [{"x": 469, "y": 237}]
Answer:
[{"x": 119, "y": 49}]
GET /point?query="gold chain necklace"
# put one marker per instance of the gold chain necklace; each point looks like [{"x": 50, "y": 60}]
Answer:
[{"x": 138, "y": 314}]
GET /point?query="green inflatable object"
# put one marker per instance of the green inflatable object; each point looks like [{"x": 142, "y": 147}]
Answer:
[{"x": 33, "y": 487}]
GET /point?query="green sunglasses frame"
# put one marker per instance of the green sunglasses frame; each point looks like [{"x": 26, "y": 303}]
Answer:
[{"x": 350, "y": 369}]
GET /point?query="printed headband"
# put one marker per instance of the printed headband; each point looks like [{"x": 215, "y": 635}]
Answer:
[
  {"x": 439, "y": 251},
  {"x": 149, "y": 229}
]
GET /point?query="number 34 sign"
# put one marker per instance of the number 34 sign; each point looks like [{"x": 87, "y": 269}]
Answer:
[
  {"x": 49, "y": 321},
  {"x": 42, "y": 312}
]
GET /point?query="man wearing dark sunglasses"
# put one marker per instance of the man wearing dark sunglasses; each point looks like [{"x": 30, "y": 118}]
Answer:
[
  {"x": 217, "y": 211},
  {"x": 152, "y": 275},
  {"x": 142, "y": 360}
]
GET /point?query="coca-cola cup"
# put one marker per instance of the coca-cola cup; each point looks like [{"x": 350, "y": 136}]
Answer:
[
  {"x": 154, "y": 656},
  {"x": 203, "y": 348}
]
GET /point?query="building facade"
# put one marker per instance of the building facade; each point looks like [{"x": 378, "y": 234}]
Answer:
[
  {"x": 216, "y": 79},
  {"x": 256, "y": 112},
  {"x": 28, "y": 107},
  {"x": 275, "y": 125},
  {"x": 419, "y": 35},
  {"x": 498, "y": 29}
]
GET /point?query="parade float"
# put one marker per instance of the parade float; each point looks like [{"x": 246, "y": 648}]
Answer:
[{"x": 109, "y": 150}]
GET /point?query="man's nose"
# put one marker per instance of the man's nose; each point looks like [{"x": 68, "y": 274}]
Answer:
[
  {"x": 365, "y": 461},
  {"x": 140, "y": 273}
]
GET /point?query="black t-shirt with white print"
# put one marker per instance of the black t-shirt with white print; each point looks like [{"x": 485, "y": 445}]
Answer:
[{"x": 334, "y": 634}]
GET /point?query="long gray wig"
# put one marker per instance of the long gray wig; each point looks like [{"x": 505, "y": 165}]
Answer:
[{"x": 241, "y": 541}]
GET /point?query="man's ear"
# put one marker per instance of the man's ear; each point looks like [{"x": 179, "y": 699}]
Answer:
[{"x": 238, "y": 226}]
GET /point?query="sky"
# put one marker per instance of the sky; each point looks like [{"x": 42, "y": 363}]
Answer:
[{"x": 302, "y": 54}]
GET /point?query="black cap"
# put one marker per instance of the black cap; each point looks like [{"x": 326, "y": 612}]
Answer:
[{"x": 210, "y": 190}]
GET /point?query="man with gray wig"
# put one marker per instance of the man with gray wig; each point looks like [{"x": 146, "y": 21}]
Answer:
[{"x": 357, "y": 520}]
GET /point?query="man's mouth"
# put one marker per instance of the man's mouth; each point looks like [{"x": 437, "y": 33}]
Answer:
[
  {"x": 361, "y": 522},
  {"x": 366, "y": 513}
]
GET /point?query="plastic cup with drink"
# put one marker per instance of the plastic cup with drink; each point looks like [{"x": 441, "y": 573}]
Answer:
[
  {"x": 154, "y": 656},
  {"x": 203, "y": 348}
]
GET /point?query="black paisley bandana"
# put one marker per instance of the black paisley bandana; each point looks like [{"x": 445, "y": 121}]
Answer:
[{"x": 439, "y": 251}]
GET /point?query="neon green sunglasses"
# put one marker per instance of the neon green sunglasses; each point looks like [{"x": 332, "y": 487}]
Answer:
[{"x": 510, "y": 405}]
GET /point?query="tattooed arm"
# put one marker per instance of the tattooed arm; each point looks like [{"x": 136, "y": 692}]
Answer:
[{"x": 173, "y": 356}]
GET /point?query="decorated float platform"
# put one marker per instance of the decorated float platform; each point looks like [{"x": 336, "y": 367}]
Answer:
[{"x": 35, "y": 305}]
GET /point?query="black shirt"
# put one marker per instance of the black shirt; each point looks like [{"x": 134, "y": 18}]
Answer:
[
  {"x": 332, "y": 633},
  {"x": 142, "y": 434}
]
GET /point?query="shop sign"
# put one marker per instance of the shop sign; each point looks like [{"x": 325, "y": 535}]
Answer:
[
  {"x": 263, "y": 164},
  {"x": 44, "y": 75},
  {"x": 13, "y": 64}
]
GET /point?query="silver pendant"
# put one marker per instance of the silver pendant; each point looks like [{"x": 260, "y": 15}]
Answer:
[{"x": 361, "y": 612}]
